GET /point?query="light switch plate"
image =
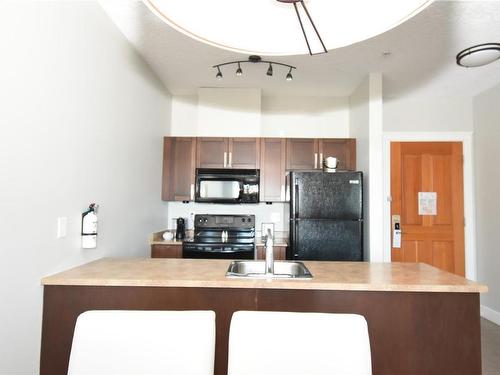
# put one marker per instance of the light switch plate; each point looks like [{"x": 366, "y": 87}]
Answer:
[{"x": 62, "y": 226}]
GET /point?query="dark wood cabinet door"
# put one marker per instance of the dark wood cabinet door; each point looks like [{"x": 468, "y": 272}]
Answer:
[
  {"x": 212, "y": 152},
  {"x": 302, "y": 153},
  {"x": 279, "y": 252},
  {"x": 178, "y": 168},
  {"x": 244, "y": 153},
  {"x": 272, "y": 169},
  {"x": 342, "y": 149},
  {"x": 166, "y": 251}
]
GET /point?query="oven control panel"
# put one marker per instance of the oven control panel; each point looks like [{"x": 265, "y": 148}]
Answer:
[{"x": 224, "y": 221}]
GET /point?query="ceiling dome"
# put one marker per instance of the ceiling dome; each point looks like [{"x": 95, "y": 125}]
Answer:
[{"x": 271, "y": 27}]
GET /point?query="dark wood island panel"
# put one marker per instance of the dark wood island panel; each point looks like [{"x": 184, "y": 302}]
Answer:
[{"x": 410, "y": 332}]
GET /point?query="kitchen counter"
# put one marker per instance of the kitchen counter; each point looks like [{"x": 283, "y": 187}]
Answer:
[
  {"x": 157, "y": 238},
  {"x": 210, "y": 273},
  {"x": 421, "y": 320}
]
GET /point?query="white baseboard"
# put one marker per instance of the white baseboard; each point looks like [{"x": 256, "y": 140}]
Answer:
[{"x": 490, "y": 314}]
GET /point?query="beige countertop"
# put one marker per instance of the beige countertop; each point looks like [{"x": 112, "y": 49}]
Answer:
[{"x": 210, "y": 273}]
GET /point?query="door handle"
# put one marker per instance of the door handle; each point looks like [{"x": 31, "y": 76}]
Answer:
[
  {"x": 315, "y": 160},
  {"x": 296, "y": 201},
  {"x": 225, "y": 159},
  {"x": 192, "y": 192},
  {"x": 320, "y": 160},
  {"x": 230, "y": 163}
]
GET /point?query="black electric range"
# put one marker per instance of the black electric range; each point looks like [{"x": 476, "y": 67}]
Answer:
[{"x": 221, "y": 237}]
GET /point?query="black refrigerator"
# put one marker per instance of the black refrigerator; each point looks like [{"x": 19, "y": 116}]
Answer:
[{"x": 326, "y": 216}]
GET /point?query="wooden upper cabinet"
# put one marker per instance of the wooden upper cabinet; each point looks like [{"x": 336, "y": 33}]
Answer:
[
  {"x": 178, "y": 168},
  {"x": 241, "y": 153},
  {"x": 342, "y": 149},
  {"x": 302, "y": 153},
  {"x": 212, "y": 152},
  {"x": 272, "y": 169},
  {"x": 244, "y": 153}
]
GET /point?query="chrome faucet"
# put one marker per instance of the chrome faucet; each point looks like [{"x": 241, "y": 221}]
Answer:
[{"x": 269, "y": 253}]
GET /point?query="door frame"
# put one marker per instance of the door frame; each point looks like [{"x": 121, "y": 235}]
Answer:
[{"x": 469, "y": 197}]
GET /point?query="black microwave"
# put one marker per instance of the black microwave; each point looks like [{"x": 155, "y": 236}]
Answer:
[{"x": 227, "y": 186}]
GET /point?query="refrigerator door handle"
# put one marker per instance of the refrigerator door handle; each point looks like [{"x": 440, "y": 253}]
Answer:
[
  {"x": 295, "y": 241},
  {"x": 296, "y": 201}
]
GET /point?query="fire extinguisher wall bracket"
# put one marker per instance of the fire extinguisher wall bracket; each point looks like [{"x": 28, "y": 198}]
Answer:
[{"x": 89, "y": 227}]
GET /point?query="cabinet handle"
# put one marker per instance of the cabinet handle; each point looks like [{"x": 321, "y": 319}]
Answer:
[
  {"x": 315, "y": 160},
  {"x": 192, "y": 192},
  {"x": 225, "y": 159},
  {"x": 321, "y": 161},
  {"x": 230, "y": 164}
]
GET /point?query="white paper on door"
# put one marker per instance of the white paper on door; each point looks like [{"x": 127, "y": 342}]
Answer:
[{"x": 427, "y": 203}]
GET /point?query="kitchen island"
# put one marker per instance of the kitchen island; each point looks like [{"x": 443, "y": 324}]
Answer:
[{"x": 421, "y": 320}]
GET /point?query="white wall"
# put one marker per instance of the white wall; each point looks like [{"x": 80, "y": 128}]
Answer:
[
  {"x": 184, "y": 117},
  {"x": 276, "y": 213},
  {"x": 365, "y": 121},
  {"x": 305, "y": 116},
  {"x": 359, "y": 122},
  {"x": 375, "y": 188},
  {"x": 283, "y": 116},
  {"x": 417, "y": 113},
  {"x": 81, "y": 121},
  {"x": 228, "y": 112},
  {"x": 487, "y": 153}
]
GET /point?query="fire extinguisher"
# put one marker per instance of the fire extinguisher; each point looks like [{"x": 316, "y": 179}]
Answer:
[{"x": 89, "y": 227}]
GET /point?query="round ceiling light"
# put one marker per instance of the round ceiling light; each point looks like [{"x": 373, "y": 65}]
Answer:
[
  {"x": 278, "y": 27},
  {"x": 479, "y": 55}
]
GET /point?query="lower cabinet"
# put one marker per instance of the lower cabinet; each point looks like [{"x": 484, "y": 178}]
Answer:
[
  {"x": 279, "y": 252},
  {"x": 166, "y": 251}
]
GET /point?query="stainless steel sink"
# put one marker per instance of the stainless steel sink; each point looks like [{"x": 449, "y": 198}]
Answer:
[{"x": 257, "y": 269}]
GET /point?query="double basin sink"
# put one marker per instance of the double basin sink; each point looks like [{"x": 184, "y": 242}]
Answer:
[{"x": 257, "y": 269}]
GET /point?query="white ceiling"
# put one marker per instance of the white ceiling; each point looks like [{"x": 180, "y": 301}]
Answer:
[{"x": 421, "y": 60}]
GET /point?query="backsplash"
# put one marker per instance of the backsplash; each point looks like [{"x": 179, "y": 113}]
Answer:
[{"x": 276, "y": 213}]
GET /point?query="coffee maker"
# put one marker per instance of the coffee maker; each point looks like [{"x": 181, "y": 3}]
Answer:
[{"x": 180, "y": 232}]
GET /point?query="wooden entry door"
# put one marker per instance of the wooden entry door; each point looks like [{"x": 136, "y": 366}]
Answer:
[{"x": 436, "y": 239}]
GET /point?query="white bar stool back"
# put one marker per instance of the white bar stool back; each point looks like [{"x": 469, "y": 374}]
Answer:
[
  {"x": 143, "y": 342},
  {"x": 275, "y": 343}
]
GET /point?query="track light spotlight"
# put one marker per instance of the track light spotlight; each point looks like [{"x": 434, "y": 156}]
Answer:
[
  {"x": 289, "y": 76},
  {"x": 270, "y": 70},
  {"x": 239, "y": 72},
  {"x": 219, "y": 74}
]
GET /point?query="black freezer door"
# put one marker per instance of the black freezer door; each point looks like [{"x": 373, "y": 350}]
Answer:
[
  {"x": 322, "y": 195},
  {"x": 340, "y": 240}
]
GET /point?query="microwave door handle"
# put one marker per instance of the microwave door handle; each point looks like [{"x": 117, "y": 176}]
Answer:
[{"x": 240, "y": 197}]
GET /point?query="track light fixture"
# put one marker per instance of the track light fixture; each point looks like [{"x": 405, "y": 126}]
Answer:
[
  {"x": 254, "y": 59},
  {"x": 270, "y": 70},
  {"x": 239, "y": 72},
  {"x": 319, "y": 46},
  {"x": 219, "y": 74}
]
